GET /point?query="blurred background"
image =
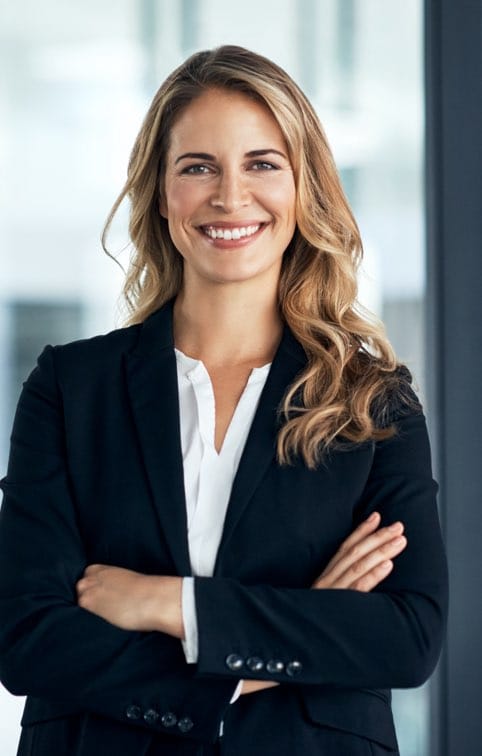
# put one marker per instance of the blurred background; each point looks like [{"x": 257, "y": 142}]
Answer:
[{"x": 75, "y": 82}]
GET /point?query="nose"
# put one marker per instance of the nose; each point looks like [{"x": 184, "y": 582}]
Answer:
[{"x": 231, "y": 192}]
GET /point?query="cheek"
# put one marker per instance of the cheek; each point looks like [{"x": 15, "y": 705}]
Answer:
[
  {"x": 282, "y": 198},
  {"x": 181, "y": 201}
]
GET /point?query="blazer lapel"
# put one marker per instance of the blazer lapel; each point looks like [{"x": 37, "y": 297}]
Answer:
[
  {"x": 152, "y": 384},
  {"x": 260, "y": 447}
]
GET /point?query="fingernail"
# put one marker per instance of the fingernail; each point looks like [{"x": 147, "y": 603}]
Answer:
[
  {"x": 373, "y": 517},
  {"x": 386, "y": 565},
  {"x": 398, "y": 541},
  {"x": 396, "y": 527}
]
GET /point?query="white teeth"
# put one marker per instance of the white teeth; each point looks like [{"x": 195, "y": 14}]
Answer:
[{"x": 230, "y": 233}]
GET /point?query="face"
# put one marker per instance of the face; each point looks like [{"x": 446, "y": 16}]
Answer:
[{"x": 229, "y": 191}]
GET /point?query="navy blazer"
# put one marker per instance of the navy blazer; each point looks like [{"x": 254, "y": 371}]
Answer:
[{"x": 96, "y": 476}]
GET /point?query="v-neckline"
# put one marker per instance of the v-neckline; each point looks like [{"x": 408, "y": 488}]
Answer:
[{"x": 196, "y": 371}]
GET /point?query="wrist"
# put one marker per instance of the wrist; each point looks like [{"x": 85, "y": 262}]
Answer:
[
  {"x": 253, "y": 686},
  {"x": 167, "y": 611}
]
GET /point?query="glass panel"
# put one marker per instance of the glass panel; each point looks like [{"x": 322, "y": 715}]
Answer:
[{"x": 75, "y": 83}]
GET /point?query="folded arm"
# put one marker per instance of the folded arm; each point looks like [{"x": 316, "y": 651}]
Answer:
[
  {"x": 49, "y": 646},
  {"x": 386, "y": 637}
]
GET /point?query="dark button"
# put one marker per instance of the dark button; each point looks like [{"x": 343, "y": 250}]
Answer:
[
  {"x": 185, "y": 724},
  {"x": 168, "y": 719},
  {"x": 294, "y": 668},
  {"x": 151, "y": 716},
  {"x": 275, "y": 666},
  {"x": 254, "y": 664},
  {"x": 234, "y": 662},
  {"x": 133, "y": 712}
]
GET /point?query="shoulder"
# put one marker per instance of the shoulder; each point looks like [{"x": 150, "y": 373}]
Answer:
[
  {"x": 100, "y": 358},
  {"x": 393, "y": 396},
  {"x": 85, "y": 358},
  {"x": 398, "y": 397},
  {"x": 99, "y": 347}
]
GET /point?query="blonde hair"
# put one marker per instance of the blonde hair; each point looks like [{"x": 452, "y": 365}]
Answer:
[{"x": 343, "y": 393}]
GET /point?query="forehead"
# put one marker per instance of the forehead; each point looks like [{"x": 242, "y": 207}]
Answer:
[{"x": 219, "y": 117}]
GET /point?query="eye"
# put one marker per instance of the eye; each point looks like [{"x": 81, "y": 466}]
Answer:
[
  {"x": 263, "y": 165},
  {"x": 198, "y": 168}
]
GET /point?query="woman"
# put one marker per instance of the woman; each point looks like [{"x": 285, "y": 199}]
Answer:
[{"x": 219, "y": 531}]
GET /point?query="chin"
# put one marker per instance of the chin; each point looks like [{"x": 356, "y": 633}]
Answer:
[
  {"x": 237, "y": 277},
  {"x": 238, "y": 274}
]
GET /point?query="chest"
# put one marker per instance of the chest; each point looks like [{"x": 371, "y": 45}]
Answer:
[
  {"x": 126, "y": 475},
  {"x": 228, "y": 387}
]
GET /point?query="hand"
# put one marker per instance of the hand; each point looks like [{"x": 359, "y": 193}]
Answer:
[
  {"x": 131, "y": 600},
  {"x": 365, "y": 558}
]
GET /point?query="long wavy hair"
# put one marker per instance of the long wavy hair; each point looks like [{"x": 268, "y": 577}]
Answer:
[{"x": 343, "y": 393}]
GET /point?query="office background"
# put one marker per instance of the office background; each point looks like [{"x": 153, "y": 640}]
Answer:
[{"x": 75, "y": 82}]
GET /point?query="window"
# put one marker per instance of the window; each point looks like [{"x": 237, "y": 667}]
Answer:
[{"x": 76, "y": 81}]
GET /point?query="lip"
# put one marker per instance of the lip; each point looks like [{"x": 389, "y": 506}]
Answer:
[
  {"x": 232, "y": 243},
  {"x": 232, "y": 224}
]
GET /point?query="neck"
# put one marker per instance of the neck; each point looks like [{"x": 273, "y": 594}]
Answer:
[{"x": 227, "y": 326}]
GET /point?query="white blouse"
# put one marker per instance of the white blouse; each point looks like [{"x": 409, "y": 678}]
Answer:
[{"x": 208, "y": 476}]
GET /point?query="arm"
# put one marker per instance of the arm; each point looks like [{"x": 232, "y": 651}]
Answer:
[
  {"x": 389, "y": 637},
  {"x": 400, "y": 486},
  {"x": 134, "y": 601},
  {"x": 49, "y": 646}
]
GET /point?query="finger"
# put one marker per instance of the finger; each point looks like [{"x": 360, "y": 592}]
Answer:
[
  {"x": 82, "y": 585},
  {"x": 359, "y": 549},
  {"x": 359, "y": 570},
  {"x": 351, "y": 564},
  {"x": 365, "y": 528},
  {"x": 83, "y": 600},
  {"x": 370, "y": 581},
  {"x": 361, "y": 531},
  {"x": 93, "y": 568}
]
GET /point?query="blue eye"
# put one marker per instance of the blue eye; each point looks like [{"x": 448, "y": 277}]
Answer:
[
  {"x": 262, "y": 165},
  {"x": 196, "y": 169}
]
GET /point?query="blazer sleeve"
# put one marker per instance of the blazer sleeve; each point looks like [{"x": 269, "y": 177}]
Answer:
[
  {"x": 49, "y": 647},
  {"x": 390, "y": 637}
]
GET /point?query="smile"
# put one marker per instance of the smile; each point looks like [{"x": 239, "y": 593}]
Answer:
[{"x": 239, "y": 232}]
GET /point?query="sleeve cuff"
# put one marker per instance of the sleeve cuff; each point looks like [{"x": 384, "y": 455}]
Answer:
[
  {"x": 237, "y": 692},
  {"x": 190, "y": 643}
]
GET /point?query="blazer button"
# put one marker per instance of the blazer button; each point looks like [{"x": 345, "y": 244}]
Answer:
[
  {"x": 254, "y": 664},
  {"x": 168, "y": 719},
  {"x": 151, "y": 716},
  {"x": 133, "y": 712},
  {"x": 185, "y": 724},
  {"x": 293, "y": 668},
  {"x": 234, "y": 662},
  {"x": 275, "y": 666}
]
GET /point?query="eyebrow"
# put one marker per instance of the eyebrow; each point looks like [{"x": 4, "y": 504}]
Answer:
[{"x": 207, "y": 156}]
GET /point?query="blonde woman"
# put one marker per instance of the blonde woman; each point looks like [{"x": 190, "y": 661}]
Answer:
[{"x": 219, "y": 532}]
